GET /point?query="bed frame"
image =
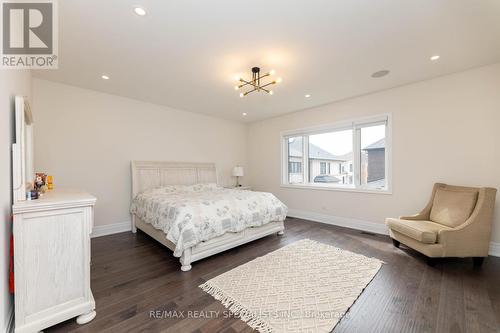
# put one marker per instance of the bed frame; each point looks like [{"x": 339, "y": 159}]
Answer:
[{"x": 147, "y": 175}]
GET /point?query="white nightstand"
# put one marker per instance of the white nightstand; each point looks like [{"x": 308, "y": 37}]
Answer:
[{"x": 245, "y": 188}]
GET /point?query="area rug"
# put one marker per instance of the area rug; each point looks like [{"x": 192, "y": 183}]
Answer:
[{"x": 306, "y": 286}]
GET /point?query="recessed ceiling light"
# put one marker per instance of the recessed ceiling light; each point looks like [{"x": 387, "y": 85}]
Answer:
[
  {"x": 244, "y": 114},
  {"x": 381, "y": 73},
  {"x": 139, "y": 11},
  {"x": 105, "y": 77},
  {"x": 435, "y": 57},
  {"x": 307, "y": 95}
]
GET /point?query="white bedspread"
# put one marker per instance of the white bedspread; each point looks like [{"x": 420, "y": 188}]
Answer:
[{"x": 189, "y": 215}]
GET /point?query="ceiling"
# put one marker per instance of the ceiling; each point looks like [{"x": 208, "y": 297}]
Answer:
[{"x": 184, "y": 53}]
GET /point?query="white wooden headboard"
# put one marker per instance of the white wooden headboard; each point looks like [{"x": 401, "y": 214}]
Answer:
[{"x": 149, "y": 174}]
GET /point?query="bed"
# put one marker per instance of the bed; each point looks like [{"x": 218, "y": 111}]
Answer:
[{"x": 182, "y": 206}]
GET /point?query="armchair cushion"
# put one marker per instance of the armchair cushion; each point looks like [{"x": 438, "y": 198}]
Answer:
[
  {"x": 420, "y": 230},
  {"x": 451, "y": 207}
]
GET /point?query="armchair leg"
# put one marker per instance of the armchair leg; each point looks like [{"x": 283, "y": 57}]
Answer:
[
  {"x": 395, "y": 242},
  {"x": 431, "y": 261},
  {"x": 478, "y": 261}
]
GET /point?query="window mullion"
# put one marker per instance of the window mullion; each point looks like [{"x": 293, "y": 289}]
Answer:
[
  {"x": 286, "y": 168},
  {"x": 388, "y": 156},
  {"x": 305, "y": 158},
  {"x": 356, "y": 135}
]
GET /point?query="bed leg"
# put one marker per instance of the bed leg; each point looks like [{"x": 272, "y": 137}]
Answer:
[
  {"x": 186, "y": 260},
  {"x": 281, "y": 232},
  {"x": 134, "y": 228}
]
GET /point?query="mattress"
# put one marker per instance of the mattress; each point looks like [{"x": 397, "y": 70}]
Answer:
[{"x": 191, "y": 214}]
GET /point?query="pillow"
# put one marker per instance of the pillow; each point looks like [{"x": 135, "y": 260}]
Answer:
[
  {"x": 202, "y": 187},
  {"x": 182, "y": 188},
  {"x": 451, "y": 207}
]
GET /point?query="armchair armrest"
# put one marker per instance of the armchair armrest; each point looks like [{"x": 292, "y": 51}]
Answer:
[
  {"x": 466, "y": 240},
  {"x": 416, "y": 217},
  {"x": 472, "y": 238}
]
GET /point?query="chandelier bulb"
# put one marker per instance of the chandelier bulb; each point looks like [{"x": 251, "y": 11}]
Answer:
[{"x": 242, "y": 94}]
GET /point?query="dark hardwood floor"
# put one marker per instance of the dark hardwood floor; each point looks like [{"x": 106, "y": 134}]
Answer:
[{"x": 133, "y": 275}]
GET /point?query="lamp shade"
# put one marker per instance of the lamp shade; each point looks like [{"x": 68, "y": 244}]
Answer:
[{"x": 238, "y": 171}]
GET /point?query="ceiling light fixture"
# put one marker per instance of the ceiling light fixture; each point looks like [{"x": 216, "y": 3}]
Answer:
[
  {"x": 435, "y": 57},
  {"x": 256, "y": 83},
  {"x": 105, "y": 77},
  {"x": 307, "y": 95},
  {"x": 140, "y": 11},
  {"x": 244, "y": 114}
]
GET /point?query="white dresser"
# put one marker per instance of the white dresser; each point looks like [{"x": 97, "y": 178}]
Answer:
[{"x": 52, "y": 260}]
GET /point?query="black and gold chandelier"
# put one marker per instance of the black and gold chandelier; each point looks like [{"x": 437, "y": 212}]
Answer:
[{"x": 257, "y": 83}]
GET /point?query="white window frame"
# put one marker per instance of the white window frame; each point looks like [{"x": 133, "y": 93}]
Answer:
[{"x": 355, "y": 125}]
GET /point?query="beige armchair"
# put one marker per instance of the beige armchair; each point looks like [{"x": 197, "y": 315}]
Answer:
[{"x": 455, "y": 223}]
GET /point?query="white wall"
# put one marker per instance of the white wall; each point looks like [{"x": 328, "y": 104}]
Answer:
[
  {"x": 12, "y": 82},
  {"x": 87, "y": 139},
  {"x": 444, "y": 130}
]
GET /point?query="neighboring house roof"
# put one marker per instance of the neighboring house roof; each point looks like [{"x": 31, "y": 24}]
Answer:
[
  {"x": 345, "y": 157},
  {"x": 380, "y": 144},
  {"x": 316, "y": 152},
  {"x": 295, "y": 149},
  {"x": 321, "y": 154}
]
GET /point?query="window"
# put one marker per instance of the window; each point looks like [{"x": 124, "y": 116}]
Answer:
[
  {"x": 373, "y": 156},
  {"x": 295, "y": 167},
  {"x": 295, "y": 159},
  {"x": 350, "y": 155},
  {"x": 335, "y": 147},
  {"x": 322, "y": 168}
]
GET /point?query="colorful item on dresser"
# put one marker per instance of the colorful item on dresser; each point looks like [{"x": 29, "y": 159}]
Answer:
[
  {"x": 40, "y": 183},
  {"x": 50, "y": 184}
]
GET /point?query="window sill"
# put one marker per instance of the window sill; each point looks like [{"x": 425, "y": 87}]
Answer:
[{"x": 336, "y": 188}]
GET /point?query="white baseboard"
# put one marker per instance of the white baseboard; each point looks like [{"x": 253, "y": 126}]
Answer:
[
  {"x": 494, "y": 249},
  {"x": 109, "y": 229},
  {"x": 374, "y": 227},
  {"x": 10, "y": 321}
]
